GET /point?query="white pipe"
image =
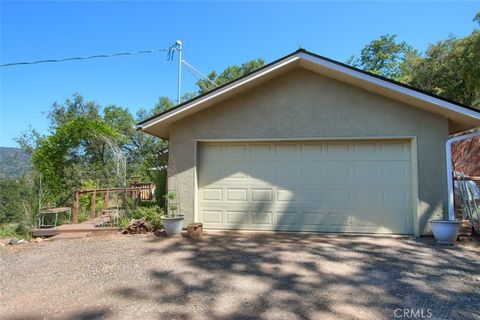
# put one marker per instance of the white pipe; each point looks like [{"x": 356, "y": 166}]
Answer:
[
  {"x": 448, "y": 150},
  {"x": 179, "y": 49}
]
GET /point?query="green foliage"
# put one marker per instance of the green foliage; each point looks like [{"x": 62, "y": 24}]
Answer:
[
  {"x": 229, "y": 74},
  {"x": 383, "y": 56},
  {"x": 449, "y": 68},
  {"x": 67, "y": 156},
  {"x": 124, "y": 222},
  {"x": 163, "y": 104},
  {"x": 151, "y": 213},
  {"x": 17, "y": 230},
  {"x": 18, "y": 200},
  {"x": 172, "y": 203}
]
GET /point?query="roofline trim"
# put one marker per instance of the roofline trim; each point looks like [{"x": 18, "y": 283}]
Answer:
[
  {"x": 389, "y": 85},
  {"x": 220, "y": 90},
  {"x": 325, "y": 62}
]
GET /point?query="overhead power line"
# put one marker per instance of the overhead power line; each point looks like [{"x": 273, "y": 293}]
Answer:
[{"x": 87, "y": 57}]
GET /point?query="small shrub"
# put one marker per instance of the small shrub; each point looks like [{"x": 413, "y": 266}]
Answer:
[
  {"x": 172, "y": 205},
  {"x": 17, "y": 230},
  {"x": 83, "y": 215},
  {"x": 124, "y": 222},
  {"x": 152, "y": 214}
]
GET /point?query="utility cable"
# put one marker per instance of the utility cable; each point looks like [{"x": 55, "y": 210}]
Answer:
[{"x": 88, "y": 57}]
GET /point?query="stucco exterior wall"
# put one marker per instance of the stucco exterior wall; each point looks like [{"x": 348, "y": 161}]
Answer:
[{"x": 303, "y": 104}]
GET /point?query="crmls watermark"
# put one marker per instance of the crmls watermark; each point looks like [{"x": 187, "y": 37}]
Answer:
[{"x": 409, "y": 313}]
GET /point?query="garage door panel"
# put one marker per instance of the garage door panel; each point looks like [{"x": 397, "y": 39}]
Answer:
[
  {"x": 313, "y": 151},
  {"x": 396, "y": 172},
  {"x": 212, "y": 153},
  {"x": 286, "y": 175},
  {"x": 339, "y": 172},
  {"x": 236, "y": 170},
  {"x": 210, "y": 174},
  {"x": 262, "y": 152},
  {"x": 236, "y": 217},
  {"x": 286, "y": 151},
  {"x": 288, "y": 219},
  {"x": 397, "y": 197},
  {"x": 237, "y": 194},
  {"x": 262, "y": 172},
  {"x": 365, "y": 172},
  {"x": 213, "y": 217},
  {"x": 262, "y": 218},
  {"x": 339, "y": 151},
  {"x": 262, "y": 195},
  {"x": 312, "y": 172},
  {"x": 210, "y": 194},
  {"x": 395, "y": 150},
  {"x": 366, "y": 151},
  {"x": 341, "y": 186},
  {"x": 285, "y": 195},
  {"x": 369, "y": 196}
]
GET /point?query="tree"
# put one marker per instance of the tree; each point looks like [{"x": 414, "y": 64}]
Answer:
[
  {"x": 384, "y": 56},
  {"x": 451, "y": 69},
  {"x": 66, "y": 158},
  {"x": 71, "y": 109},
  {"x": 18, "y": 200},
  {"x": 229, "y": 74}
]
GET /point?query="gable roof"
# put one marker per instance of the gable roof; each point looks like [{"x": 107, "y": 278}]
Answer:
[{"x": 462, "y": 117}]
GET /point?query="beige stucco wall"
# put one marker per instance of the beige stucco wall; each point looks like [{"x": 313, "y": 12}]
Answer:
[{"x": 303, "y": 104}]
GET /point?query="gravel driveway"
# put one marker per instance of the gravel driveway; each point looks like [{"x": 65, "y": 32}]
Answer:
[{"x": 238, "y": 276}]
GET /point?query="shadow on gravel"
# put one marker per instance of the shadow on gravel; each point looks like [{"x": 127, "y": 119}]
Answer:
[
  {"x": 241, "y": 276},
  {"x": 88, "y": 314}
]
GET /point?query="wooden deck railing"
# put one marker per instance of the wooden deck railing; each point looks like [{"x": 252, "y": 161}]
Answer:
[{"x": 136, "y": 193}]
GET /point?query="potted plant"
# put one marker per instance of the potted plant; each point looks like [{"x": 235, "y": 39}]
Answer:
[
  {"x": 445, "y": 231},
  {"x": 172, "y": 222}
]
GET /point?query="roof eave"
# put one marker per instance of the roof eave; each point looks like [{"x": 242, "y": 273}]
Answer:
[{"x": 463, "y": 117}]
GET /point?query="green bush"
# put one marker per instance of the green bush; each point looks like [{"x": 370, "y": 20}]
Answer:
[
  {"x": 151, "y": 213},
  {"x": 124, "y": 222},
  {"x": 17, "y": 230}
]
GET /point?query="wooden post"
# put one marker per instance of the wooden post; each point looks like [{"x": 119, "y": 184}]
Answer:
[
  {"x": 139, "y": 197},
  {"x": 76, "y": 206},
  {"x": 106, "y": 198},
  {"x": 93, "y": 204}
]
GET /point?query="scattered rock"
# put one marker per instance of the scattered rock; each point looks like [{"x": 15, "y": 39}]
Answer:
[
  {"x": 38, "y": 240},
  {"x": 13, "y": 241}
]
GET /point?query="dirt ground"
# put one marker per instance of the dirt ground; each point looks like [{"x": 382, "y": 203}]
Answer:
[{"x": 240, "y": 276}]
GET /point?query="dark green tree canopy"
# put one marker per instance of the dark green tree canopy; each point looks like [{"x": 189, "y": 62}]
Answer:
[
  {"x": 383, "y": 56},
  {"x": 230, "y": 73},
  {"x": 449, "y": 68}
]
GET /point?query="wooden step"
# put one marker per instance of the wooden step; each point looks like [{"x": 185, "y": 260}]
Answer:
[
  {"x": 70, "y": 235},
  {"x": 45, "y": 232},
  {"x": 86, "y": 228}
]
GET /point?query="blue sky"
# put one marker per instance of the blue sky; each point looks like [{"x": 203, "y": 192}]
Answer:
[{"x": 215, "y": 35}]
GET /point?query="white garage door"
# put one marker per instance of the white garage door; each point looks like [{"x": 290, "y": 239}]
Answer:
[{"x": 332, "y": 186}]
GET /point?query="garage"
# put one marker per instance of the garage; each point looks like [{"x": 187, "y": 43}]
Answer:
[
  {"x": 362, "y": 186},
  {"x": 307, "y": 143}
]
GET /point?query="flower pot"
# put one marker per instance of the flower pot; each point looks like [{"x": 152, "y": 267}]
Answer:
[
  {"x": 445, "y": 231},
  {"x": 173, "y": 225}
]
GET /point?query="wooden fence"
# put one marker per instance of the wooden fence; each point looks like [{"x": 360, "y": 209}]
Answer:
[{"x": 136, "y": 193}]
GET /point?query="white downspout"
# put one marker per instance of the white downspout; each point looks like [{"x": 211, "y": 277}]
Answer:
[{"x": 448, "y": 150}]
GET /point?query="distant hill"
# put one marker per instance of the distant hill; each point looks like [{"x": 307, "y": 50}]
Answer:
[{"x": 14, "y": 162}]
